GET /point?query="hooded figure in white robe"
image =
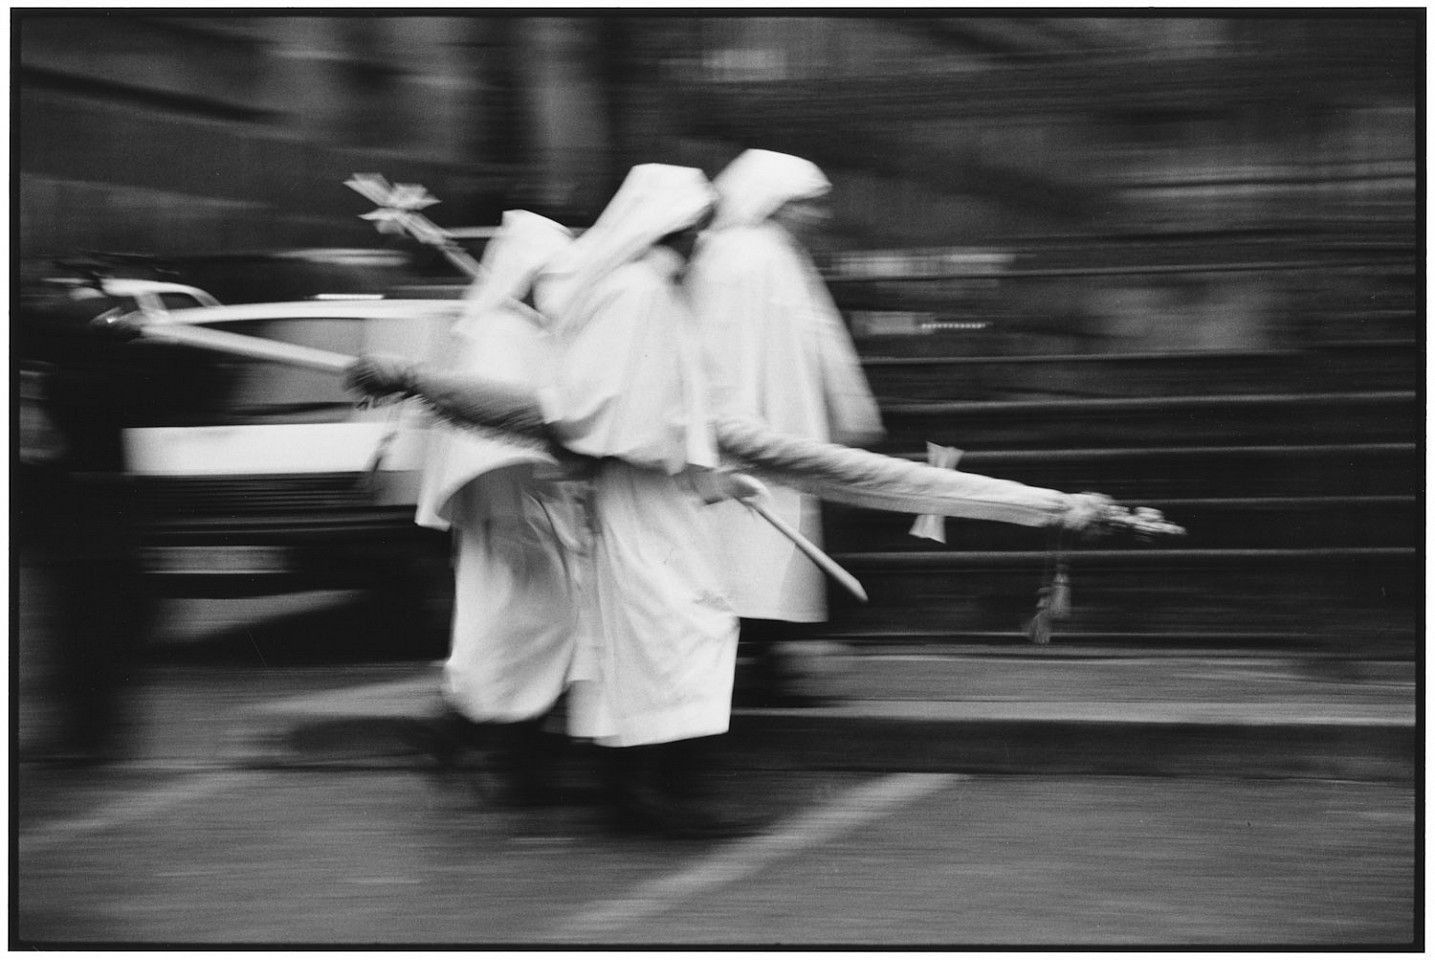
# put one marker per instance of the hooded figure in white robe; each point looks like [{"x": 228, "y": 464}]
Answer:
[
  {"x": 627, "y": 394},
  {"x": 777, "y": 350},
  {"x": 628, "y": 390},
  {"x": 515, "y": 529}
]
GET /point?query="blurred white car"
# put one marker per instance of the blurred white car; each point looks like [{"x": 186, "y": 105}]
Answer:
[
  {"x": 262, "y": 418},
  {"x": 261, "y": 478},
  {"x": 156, "y": 295},
  {"x": 128, "y": 294}
]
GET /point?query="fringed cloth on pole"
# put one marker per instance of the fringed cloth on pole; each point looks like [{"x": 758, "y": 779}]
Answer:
[
  {"x": 829, "y": 471},
  {"x": 861, "y": 478}
]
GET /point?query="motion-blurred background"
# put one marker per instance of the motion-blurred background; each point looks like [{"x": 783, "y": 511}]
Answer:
[
  {"x": 1099, "y": 141},
  {"x": 1170, "y": 258}
]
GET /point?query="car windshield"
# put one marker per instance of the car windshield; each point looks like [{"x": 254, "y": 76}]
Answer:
[{"x": 179, "y": 301}]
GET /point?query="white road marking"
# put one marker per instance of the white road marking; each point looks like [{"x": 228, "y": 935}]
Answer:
[
  {"x": 858, "y": 806},
  {"x": 128, "y": 810}
]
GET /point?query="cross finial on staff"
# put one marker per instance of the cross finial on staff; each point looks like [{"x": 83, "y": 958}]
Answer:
[{"x": 399, "y": 206}]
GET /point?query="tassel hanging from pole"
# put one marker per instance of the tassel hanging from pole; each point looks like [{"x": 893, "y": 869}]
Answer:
[{"x": 1054, "y": 599}]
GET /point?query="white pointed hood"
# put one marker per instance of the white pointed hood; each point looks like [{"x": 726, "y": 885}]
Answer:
[
  {"x": 500, "y": 339},
  {"x": 525, "y": 244},
  {"x": 754, "y": 185},
  {"x": 655, "y": 200}
]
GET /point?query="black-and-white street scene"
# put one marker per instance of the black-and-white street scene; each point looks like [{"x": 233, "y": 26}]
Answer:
[{"x": 849, "y": 479}]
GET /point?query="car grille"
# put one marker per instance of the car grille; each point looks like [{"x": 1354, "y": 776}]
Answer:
[{"x": 192, "y": 497}]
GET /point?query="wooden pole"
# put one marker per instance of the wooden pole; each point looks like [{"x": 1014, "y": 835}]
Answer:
[
  {"x": 237, "y": 344},
  {"x": 828, "y": 565}
]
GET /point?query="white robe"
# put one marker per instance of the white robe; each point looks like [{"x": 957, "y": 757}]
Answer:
[
  {"x": 776, "y": 349},
  {"x": 516, "y": 622},
  {"x": 628, "y": 389}
]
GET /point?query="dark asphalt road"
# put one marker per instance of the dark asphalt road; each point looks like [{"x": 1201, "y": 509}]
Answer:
[
  {"x": 173, "y": 847},
  {"x": 390, "y": 857}
]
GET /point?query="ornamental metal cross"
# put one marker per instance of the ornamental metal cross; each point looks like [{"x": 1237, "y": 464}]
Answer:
[{"x": 399, "y": 206}]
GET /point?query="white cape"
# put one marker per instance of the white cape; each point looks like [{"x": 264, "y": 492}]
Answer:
[{"x": 508, "y": 348}]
